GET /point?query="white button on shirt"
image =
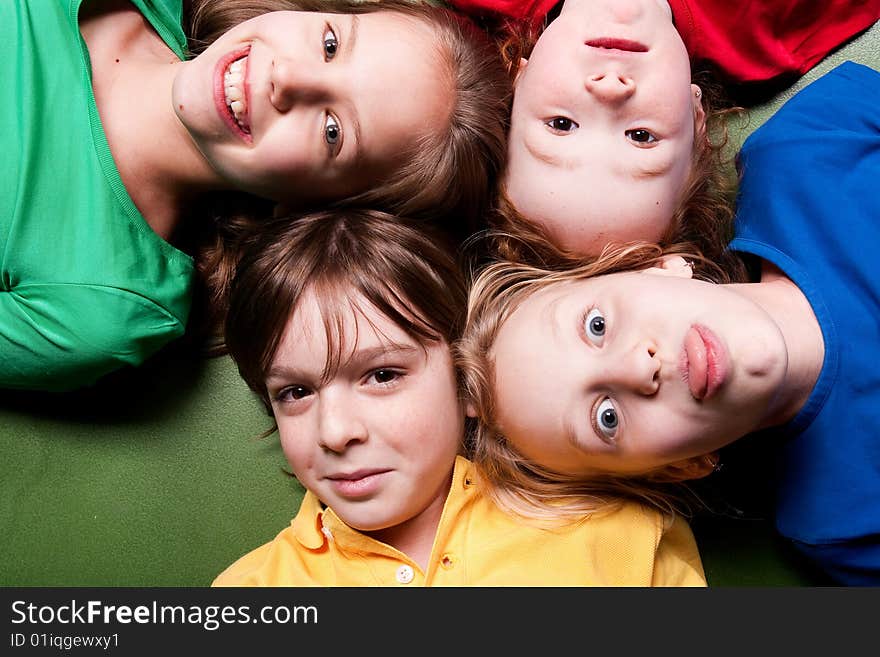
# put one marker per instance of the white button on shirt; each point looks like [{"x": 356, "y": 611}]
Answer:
[{"x": 404, "y": 574}]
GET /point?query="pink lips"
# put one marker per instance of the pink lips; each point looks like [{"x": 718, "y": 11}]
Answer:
[
  {"x": 609, "y": 43},
  {"x": 704, "y": 363},
  {"x": 357, "y": 484},
  {"x": 220, "y": 94}
]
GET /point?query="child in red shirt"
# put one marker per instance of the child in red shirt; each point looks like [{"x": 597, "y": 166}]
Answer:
[
  {"x": 611, "y": 119},
  {"x": 784, "y": 39}
]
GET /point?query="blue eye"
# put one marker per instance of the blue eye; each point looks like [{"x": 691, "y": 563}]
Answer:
[
  {"x": 332, "y": 131},
  {"x": 331, "y": 44},
  {"x": 561, "y": 124},
  {"x": 641, "y": 136},
  {"x": 606, "y": 419},
  {"x": 594, "y": 326}
]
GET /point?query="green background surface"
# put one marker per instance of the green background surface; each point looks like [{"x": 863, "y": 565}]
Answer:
[{"x": 157, "y": 477}]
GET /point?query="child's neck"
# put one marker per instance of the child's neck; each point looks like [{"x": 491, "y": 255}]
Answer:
[
  {"x": 791, "y": 311},
  {"x": 132, "y": 74},
  {"x": 415, "y": 537}
]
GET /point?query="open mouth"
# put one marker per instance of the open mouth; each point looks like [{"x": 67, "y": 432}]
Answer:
[
  {"x": 608, "y": 43},
  {"x": 234, "y": 93},
  {"x": 231, "y": 92}
]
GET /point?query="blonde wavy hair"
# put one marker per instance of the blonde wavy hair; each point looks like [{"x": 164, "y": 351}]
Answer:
[{"x": 514, "y": 482}]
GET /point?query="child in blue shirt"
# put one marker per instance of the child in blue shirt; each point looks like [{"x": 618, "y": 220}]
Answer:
[{"x": 638, "y": 373}]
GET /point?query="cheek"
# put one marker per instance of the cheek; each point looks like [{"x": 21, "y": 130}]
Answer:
[
  {"x": 679, "y": 434},
  {"x": 279, "y": 159},
  {"x": 410, "y": 420},
  {"x": 296, "y": 444},
  {"x": 431, "y": 418}
]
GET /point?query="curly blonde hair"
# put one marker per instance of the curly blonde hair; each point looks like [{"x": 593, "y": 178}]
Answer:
[
  {"x": 705, "y": 211},
  {"x": 513, "y": 481}
]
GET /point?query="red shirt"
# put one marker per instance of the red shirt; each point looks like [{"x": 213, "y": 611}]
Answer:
[
  {"x": 759, "y": 41},
  {"x": 744, "y": 41},
  {"x": 537, "y": 9}
]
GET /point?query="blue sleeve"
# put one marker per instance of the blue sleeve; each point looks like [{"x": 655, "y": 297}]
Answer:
[
  {"x": 806, "y": 167},
  {"x": 853, "y": 563}
]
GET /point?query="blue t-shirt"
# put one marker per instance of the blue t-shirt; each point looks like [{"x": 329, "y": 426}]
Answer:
[{"x": 809, "y": 203}]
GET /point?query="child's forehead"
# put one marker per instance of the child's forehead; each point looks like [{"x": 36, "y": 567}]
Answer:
[
  {"x": 345, "y": 314},
  {"x": 336, "y": 323},
  {"x": 546, "y": 301},
  {"x": 555, "y": 292}
]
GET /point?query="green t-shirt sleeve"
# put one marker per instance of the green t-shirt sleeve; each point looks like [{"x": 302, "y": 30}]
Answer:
[
  {"x": 86, "y": 286},
  {"x": 61, "y": 337}
]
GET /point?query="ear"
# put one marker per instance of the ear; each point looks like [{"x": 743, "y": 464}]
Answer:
[
  {"x": 696, "y": 467},
  {"x": 469, "y": 410},
  {"x": 699, "y": 111},
  {"x": 672, "y": 265},
  {"x": 523, "y": 62}
]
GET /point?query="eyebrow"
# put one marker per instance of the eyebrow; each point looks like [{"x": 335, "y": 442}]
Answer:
[
  {"x": 351, "y": 42},
  {"x": 557, "y": 328},
  {"x": 358, "y": 358},
  {"x": 570, "y": 433},
  {"x": 552, "y": 311},
  {"x": 381, "y": 351}
]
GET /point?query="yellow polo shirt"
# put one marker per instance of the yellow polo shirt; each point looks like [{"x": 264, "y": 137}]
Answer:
[{"x": 477, "y": 544}]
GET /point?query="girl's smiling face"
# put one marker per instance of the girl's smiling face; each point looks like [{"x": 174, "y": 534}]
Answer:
[
  {"x": 630, "y": 372},
  {"x": 304, "y": 106}
]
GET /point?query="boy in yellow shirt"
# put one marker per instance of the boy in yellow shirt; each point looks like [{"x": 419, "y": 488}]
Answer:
[{"x": 342, "y": 323}]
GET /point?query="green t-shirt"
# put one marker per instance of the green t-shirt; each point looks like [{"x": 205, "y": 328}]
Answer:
[{"x": 86, "y": 286}]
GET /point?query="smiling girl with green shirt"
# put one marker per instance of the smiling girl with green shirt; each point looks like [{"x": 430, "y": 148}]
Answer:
[{"x": 117, "y": 139}]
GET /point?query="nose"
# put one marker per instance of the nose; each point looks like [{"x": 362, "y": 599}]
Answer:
[
  {"x": 293, "y": 82},
  {"x": 637, "y": 369},
  {"x": 610, "y": 87},
  {"x": 341, "y": 425}
]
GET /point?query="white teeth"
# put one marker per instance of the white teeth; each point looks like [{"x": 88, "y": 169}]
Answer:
[{"x": 235, "y": 97}]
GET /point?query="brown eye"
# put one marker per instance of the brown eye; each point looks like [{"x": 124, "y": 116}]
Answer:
[
  {"x": 293, "y": 394},
  {"x": 561, "y": 124},
  {"x": 384, "y": 376},
  {"x": 641, "y": 136}
]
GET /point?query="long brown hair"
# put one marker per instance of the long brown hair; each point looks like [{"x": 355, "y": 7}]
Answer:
[{"x": 448, "y": 179}]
